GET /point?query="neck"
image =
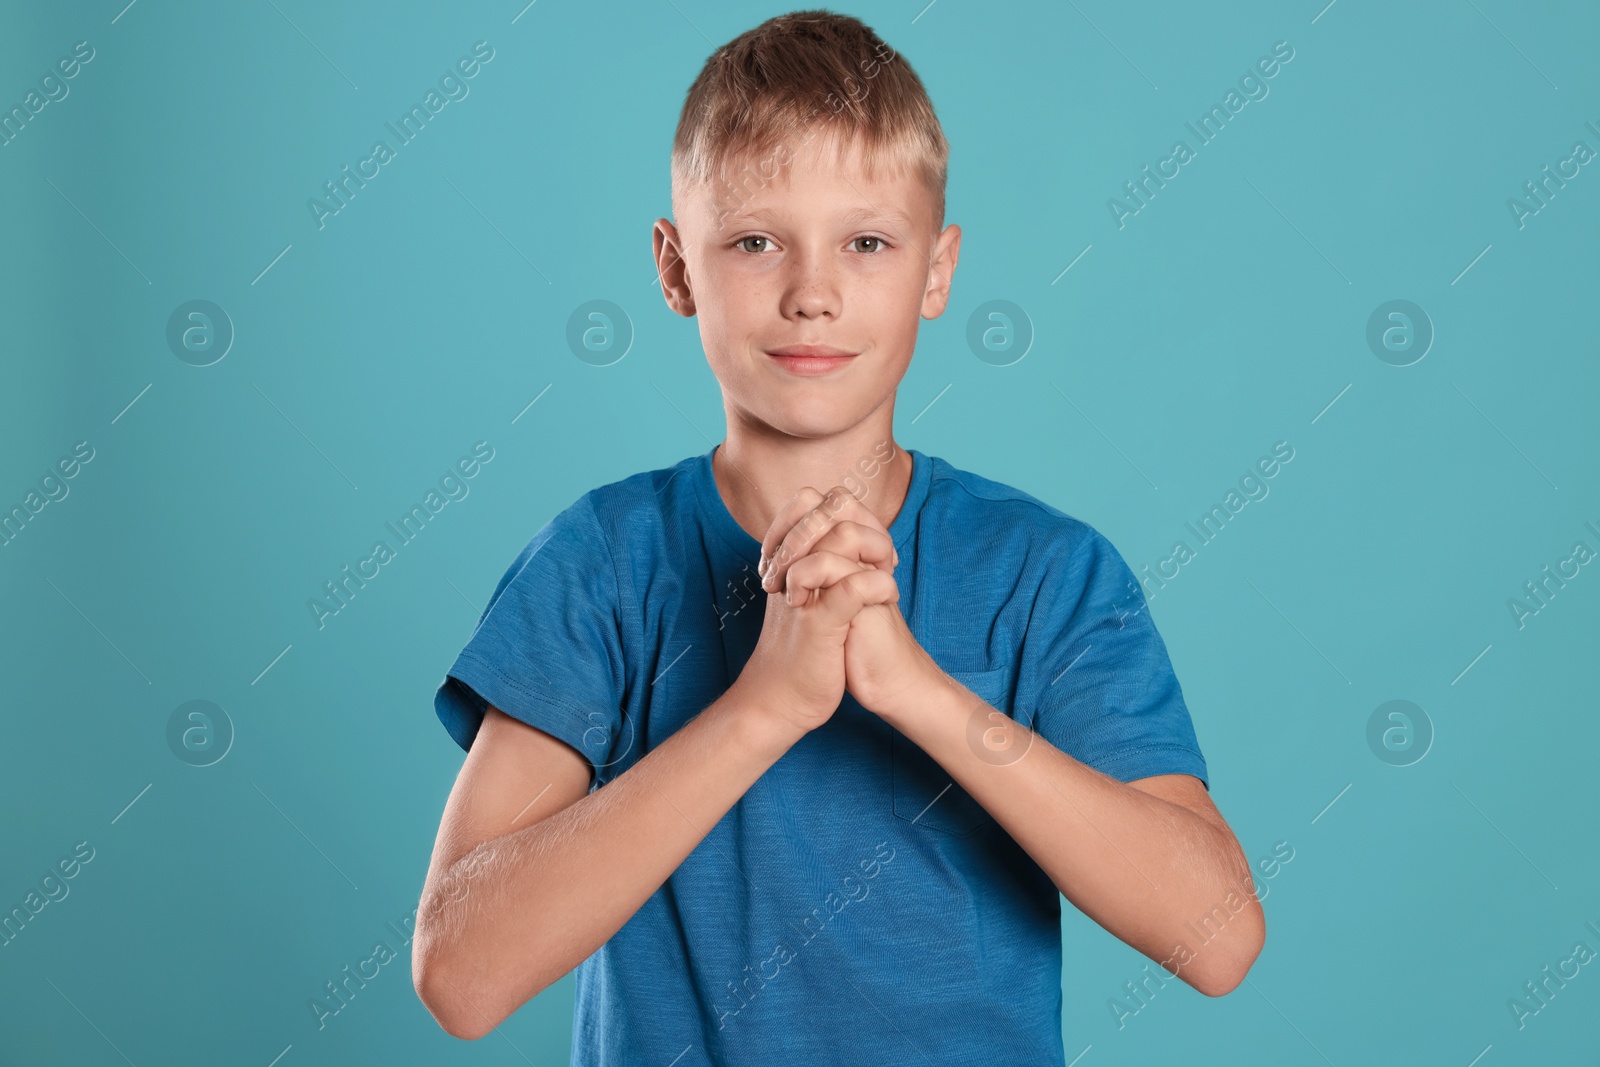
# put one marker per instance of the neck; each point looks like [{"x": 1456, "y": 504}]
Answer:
[{"x": 757, "y": 474}]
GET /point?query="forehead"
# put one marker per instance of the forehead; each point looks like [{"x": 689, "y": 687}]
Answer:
[{"x": 816, "y": 174}]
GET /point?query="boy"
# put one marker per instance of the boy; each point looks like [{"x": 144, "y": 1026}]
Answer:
[{"x": 831, "y": 824}]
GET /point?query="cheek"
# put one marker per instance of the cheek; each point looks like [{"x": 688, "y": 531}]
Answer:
[
  {"x": 894, "y": 369},
  {"x": 731, "y": 299},
  {"x": 894, "y": 313},
  {"x": 727, "y": 340},
  {"x": 729, "y": 317}
]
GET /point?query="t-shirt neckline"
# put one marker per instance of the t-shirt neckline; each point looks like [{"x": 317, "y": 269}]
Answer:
[{"x": 721, "y": 520}]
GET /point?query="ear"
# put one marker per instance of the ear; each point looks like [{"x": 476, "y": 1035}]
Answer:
[
  {"x": 941, "y": 271},
  {"x": 673, "y": 268}
]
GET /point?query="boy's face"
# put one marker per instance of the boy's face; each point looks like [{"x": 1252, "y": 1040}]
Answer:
[{"x": 806, "y": 250}]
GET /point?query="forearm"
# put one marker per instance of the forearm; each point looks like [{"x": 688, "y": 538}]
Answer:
[
  {"x": 1148, "y": 870},
  {"x": 518, "y": 912}
]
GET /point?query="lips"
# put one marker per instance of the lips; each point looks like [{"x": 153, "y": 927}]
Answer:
[
  {"x": 810, "y": 359},
  {"x": 810, "y": 351}
]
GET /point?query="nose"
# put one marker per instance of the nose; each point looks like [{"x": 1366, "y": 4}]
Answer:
[{"x": 812, "y": 289}]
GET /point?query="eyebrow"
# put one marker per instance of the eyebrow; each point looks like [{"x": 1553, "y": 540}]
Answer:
[
  {"x": 860, "y": 215},
  {"x": 854, "y": 217}
]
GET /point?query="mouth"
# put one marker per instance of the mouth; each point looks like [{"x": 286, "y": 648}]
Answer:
[{"x": 810, "y": 359}]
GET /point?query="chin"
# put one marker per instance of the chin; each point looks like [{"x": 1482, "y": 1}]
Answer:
[{"x": 813, "y": 419}]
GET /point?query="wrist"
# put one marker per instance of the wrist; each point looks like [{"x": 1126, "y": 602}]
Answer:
[
  {"x": 927, "y": 684},
  {"x": 760, "y": 722}
]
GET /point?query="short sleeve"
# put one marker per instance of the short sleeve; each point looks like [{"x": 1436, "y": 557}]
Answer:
[
  {"x": 1097, "y": 673},
  {"x": 548, "y": 647}
]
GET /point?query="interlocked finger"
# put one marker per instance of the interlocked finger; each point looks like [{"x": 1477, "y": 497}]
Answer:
[
  {"x": 814, "y": 515},
  {"x": 814, "y": 571},
  {"x": 852, "y": 540},
  {"x": 851, "y": 594}
]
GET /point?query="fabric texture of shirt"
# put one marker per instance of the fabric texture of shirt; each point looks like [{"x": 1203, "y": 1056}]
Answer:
[{"x": 855, "y": 906}]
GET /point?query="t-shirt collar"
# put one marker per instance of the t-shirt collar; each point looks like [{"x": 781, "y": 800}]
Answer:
[{"x": 721, "y": 521}]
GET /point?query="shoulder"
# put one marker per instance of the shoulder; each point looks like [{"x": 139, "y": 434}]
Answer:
[
  {"x": 587, "y": 542},
  {"x": 623, "y": 513},
  {"x": 996, "y": 544},
  {"x": 1001, "y": 517}
]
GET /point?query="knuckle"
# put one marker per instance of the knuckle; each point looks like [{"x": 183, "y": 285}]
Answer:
[
  {"x": 846, "y": 535},
  {"x": 831, "y": 562}
]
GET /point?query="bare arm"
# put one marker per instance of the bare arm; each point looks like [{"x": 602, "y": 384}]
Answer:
[
  {"x": 1151, "y": 860},
  {"x": 531, "y": 873}
]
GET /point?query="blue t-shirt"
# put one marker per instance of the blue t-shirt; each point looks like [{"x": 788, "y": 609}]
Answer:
[{"x": 855, "y": 906}]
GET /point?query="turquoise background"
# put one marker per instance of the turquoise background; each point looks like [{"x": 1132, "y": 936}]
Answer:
[{"x": 1227, "y": 315}]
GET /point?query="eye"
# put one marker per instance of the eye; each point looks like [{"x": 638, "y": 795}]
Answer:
[
  {"x": 877, "y": 244},
  {"x": 740, "y": 243}
]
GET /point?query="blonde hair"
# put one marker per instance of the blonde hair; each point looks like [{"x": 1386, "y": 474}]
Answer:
[{"x": 794, "y": 76}]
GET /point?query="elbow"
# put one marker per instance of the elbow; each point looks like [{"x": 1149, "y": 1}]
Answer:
[
  {"x": 451, "y": 1003},
  {"x": 1228, "y": 972},
  {"x": 443, "y": 998},
  {"x": 465, "y": 999},
  {"x": 456, "y": 1001},
  {"x": 1220, "y": 984},
  {"x": 445, "y": 1009}
]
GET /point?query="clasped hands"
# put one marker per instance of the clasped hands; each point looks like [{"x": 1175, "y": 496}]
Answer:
[{"x": 837, "y": 623}]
